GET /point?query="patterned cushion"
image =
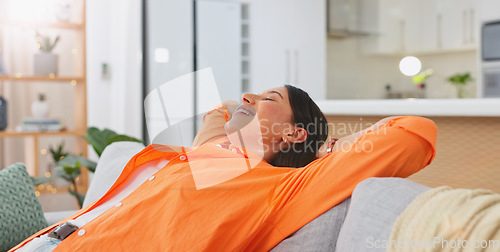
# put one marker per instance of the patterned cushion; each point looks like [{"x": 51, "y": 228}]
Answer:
[{"x": 21, "y": 214}]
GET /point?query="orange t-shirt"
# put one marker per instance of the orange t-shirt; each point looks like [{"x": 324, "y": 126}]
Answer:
[{"x": 254, "y": 207}]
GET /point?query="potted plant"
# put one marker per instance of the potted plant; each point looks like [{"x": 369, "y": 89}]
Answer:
[
  {"x": 40, "y": 107},
  {"x": 71, "y": 164},
  {"x": 45, "y": 62},
  {"x": 420, "y": 79},
  {"x": 460, "y": 82}
]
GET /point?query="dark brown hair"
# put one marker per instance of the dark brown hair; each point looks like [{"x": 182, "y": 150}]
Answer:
[{"x": 308, "y": 116}]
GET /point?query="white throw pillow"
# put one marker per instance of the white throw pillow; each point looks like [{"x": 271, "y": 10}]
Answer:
[{"x": 110, "y": 166}]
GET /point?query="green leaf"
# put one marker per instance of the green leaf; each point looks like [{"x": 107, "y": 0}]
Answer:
[
  {"x": 72, "y": 170},
  {"x": 58, "y": 153},
  {"x": 99, "y": 139},
  {"x": 121, "y": 138},
  {"x": 43, "y": 180},
  {"x": 71, "y": 160},
  {"x": 422, "y": 76},
  {"x": 460, "y": 79}
]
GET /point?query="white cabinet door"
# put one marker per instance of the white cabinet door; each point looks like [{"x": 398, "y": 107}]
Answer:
[
  {"x": 429, "y": 29},
  {"x": 409, "y": 26},
  {"x": 269, "y": 50},
  {"x": 412, "y": 21},
  {"x": 472, "y": 24},
  {"x": 288, "y": 40},
  {"x": 307, "y": 21},
  {"x": 454, "y": 16}
]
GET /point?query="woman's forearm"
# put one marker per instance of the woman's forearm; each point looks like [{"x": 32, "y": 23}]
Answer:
[
  {"x": 347, "y": 140},
  {"x": 213, "y": 123}
]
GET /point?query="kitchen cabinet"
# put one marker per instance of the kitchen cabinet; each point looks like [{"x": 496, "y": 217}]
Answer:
[
  {"x": 383, "y": 19},
  {"x": 447, "y": 25},
  {"x": 343, "y": 18},
  {"x": 428, "y": 28},
  {"x": 288, "y": 41},
  {"x": 425, "y": 26}
]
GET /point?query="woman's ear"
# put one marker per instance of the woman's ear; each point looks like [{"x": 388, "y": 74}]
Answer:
[{"x": 299, "y": 135}]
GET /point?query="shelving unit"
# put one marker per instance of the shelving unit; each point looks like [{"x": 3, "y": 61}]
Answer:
[
  {"x": 69, "y": 86},
  {"x": 36, "y": 25},
  {"x": 20, "y": 77}
]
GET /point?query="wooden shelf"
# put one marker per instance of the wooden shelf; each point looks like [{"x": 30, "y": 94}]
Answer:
[
  {"x": 16, "y": 84},
  {"x": 35, "y": 25},
  {"x": 40, "y": 78},
  {"x": 10, "y": 133}
]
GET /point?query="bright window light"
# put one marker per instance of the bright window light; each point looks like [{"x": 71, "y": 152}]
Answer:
[
  {"x": 161, "y": 55},
  {"x": 410, "y": 66}
]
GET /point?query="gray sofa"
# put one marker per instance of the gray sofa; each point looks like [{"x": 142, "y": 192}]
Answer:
[{"x": 360, "y": 223}]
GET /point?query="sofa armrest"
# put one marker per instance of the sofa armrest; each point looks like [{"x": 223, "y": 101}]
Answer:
[
  {"x": 54, "y": 217},
  {"x": 376, "y": 203}
]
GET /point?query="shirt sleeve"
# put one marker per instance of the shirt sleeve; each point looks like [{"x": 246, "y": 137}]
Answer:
[
  {"x": 212, "y": 127},
  {"x": 399, "y": 148}
]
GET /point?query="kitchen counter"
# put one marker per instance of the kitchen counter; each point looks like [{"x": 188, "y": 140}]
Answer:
[
  {"x": 468, "y": 139},
  {"x": 486, "y": 107}
]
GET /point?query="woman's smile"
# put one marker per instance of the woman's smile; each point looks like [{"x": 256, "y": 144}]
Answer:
[{"x": 245, "y": 110}]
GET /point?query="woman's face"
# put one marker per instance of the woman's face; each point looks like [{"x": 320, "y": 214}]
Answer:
[{"x": 265, "y": 117}]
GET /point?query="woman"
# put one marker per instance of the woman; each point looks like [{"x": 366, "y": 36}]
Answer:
[
  {"x": 272, "y": 124},
  {"x": 225, "y": 195}
]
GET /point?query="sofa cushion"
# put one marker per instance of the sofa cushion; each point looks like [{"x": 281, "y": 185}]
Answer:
[
  {"x": 376, "y": 203},
  {"x": 318, "y": 235},
  {"x": 21, "y": 214}
]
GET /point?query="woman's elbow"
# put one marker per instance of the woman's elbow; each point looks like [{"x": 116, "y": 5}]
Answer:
[{"x": 422, "y": 130}]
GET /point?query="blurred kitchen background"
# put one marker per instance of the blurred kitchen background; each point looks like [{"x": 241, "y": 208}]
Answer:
[
  {"x": 367, "y": 39},
  {"x": 360, "y": 59}
]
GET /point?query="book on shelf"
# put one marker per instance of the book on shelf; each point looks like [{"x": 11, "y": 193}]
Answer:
[
  {"x": 41, "y": 121},
  {"x": 40, "y": 125},
  {"x": 3, "y": 71}
]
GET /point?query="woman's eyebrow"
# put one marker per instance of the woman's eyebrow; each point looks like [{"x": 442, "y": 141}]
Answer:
[{"x": 276, "y": 92}]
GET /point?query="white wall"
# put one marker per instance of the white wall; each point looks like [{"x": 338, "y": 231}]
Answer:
[
  {"x": 114, "y": 37},
  {"x": 353, "y": 75}
]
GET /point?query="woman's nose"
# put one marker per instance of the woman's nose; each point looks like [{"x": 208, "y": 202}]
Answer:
[{"x": 248, "y": 98}]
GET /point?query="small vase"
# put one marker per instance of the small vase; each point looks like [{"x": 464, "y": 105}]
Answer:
[
  {"x": 45, "y": 63},
  {"x": 460, "y": 91},
  {"x": 40, "y": 109},
  {"x": 3, "y": 113}
]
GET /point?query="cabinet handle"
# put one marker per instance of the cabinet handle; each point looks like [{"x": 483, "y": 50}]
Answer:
[
  {"x": 287, "y": 66},
  {"x": 296, "y": 72},
  {"x": 402, "y": 35},
  {"x": 472, "y": 23},
  {"x": 464, "y": 27},
  {"x": 439, "y": 21}
]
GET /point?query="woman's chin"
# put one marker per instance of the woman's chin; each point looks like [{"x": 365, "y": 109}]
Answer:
[
  {"x": 237, "y": 123},
  {"x": 247, "y": 135}
]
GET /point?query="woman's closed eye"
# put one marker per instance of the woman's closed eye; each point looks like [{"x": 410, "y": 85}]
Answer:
[{"x": 268, "y": 99}]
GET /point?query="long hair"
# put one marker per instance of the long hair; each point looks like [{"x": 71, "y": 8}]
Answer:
[{"x": 308, "y": 116}]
